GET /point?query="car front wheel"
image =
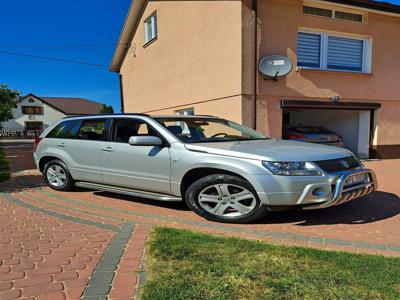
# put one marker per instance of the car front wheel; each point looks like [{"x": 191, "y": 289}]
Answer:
[{"x": 225, "y": 198}]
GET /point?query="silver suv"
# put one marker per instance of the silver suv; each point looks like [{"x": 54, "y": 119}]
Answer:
[{"x": 222, "y": 170}]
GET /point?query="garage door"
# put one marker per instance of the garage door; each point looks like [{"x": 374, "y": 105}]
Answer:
[{"x": 354, "y": 123}]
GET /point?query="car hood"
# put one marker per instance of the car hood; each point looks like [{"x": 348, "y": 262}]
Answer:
[{"x": 271, "y": 150}]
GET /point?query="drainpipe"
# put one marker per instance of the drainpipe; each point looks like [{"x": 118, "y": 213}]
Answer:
[
  {"x": 121, "y": 92},
  {"x": 255, "y": 64}
]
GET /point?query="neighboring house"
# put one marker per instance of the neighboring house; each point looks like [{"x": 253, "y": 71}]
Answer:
[
  {"x": 203, "y": 56},
  {"x": 37, "y": 113}
]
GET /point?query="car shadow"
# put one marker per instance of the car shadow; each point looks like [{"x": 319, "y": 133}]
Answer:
[{"x": 371, "y": 208}]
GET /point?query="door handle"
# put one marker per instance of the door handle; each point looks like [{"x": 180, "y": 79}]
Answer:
[
  {"x": 61, "y": 145},
  {"x": 108, "y": 149}
]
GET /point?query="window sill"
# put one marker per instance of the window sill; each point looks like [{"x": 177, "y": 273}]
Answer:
[
  {"x": 327, "y": 71},
  {"x": 150, "y": 42}
]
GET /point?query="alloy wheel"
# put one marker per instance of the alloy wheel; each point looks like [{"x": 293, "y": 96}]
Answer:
[
  {"x": 227, "y": 200},
  {"x": 56, "y": 176}
]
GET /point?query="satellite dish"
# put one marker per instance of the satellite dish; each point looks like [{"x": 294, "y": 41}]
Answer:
[{"x": 275, "y": 66}]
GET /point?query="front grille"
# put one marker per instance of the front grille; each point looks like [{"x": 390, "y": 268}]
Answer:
[{"x": 336, "y": 165}]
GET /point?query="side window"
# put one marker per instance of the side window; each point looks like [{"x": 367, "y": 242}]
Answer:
[
  {"x": 61, "y": 130},
  {"x": 150, "y": 28},
  {"x": 73, "y": 132},
  {"x": 125, "y": 128},
  {"x": 185, "y": 112},
  {"x": 93, "y": 130}
]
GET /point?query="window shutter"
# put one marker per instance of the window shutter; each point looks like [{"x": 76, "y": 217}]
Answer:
[
  {"x": 345, "y": 54},
  {"x": 308, "y": 50}
]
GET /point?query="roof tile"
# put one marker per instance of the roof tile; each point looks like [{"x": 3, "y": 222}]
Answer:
[{"x": 74, "y": 106}]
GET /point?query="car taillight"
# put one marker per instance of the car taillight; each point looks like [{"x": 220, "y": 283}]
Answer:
[
  {"x": 296, "y": 137},
  {"x": 37, "y": 142}
]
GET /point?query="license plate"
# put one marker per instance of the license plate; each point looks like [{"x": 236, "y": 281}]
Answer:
[{"x": 356, "y": 179}]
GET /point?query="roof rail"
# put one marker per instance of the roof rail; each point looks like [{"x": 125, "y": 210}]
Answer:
[{"x": 102, "y": 115}]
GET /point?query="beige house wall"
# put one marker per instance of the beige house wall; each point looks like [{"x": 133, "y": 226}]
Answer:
[
  {"x": 231, "y": 108},
  {"x": 203, "y": 59},
  {"x": 195, "y": 61},
  {"x": 278, "y": 24}
]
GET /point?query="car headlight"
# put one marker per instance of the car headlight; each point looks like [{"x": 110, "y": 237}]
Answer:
[
  {"x": 360, "y": 162},
  {"x": 297, "y": 168}
]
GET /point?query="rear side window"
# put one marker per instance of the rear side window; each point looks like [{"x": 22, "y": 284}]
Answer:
[
  {"x": 61, "y": 130},
  {"x": 73, "y": 132},
  {"x": 92, "y": 130}
]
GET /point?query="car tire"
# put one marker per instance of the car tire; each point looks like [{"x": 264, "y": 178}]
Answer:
[
  {"x": 222, "y": 198},
  {"x": 57, "y": 176}
]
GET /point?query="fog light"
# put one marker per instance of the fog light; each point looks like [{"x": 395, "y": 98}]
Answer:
[{"x": 319, "y": 192}]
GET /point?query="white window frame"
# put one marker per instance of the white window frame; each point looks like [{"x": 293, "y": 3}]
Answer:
[
  {"x": 334, "y": 9},
  {"x": 185, "y": 112},
  {"x": 367, "y": 50},
  {"x": 150, "y": 23}
]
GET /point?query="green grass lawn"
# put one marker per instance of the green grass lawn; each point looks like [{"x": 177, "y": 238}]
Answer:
[
  {"x": 187, "y": 265},
  {"x": 4, "y": 170}
]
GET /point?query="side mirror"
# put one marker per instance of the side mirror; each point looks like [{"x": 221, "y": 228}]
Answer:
[{"x": 145, "y": 141}]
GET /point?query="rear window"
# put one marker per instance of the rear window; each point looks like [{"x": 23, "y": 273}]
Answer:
[
  {"x": 61, "y": 130},
  {"x": 311, "y": 129}
]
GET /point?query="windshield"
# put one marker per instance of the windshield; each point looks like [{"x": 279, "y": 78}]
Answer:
[{"x": 204, "y": 130}]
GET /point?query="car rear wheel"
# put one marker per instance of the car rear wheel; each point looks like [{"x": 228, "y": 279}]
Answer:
[
  {"x": 57, "y": 176},
  {"x": 225, "y": 198}
]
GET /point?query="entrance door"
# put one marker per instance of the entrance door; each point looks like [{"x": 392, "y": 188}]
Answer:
[{"x": 138, "y": 167}]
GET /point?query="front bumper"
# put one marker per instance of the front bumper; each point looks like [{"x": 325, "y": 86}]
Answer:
[
  {"x": 316, "y": 192},
  {"x": 342, "y": 194}
]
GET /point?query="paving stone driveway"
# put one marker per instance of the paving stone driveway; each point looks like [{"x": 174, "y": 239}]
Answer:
[
  {"x": 90, "y": 243},
  {"x": 50, "y": 250}
]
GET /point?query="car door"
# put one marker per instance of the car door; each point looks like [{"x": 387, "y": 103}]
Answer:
[
  {"x": 144, "y": 168},
  {"x": 83, "y": 145}
]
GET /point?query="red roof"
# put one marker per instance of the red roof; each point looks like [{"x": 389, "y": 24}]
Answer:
[
  {"x": 74, "y": 106},
  {"x": 70, "y": 106}
]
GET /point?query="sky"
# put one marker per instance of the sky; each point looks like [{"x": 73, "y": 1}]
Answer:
[{"x": 82, "y": 30}]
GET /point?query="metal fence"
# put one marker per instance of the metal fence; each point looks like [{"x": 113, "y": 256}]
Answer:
[{"x": 18, "y": 135}]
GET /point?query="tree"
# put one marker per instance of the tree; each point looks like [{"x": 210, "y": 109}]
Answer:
[
  {"x": 7, "y": 102},
  {"x": 107, "y": 109}
]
